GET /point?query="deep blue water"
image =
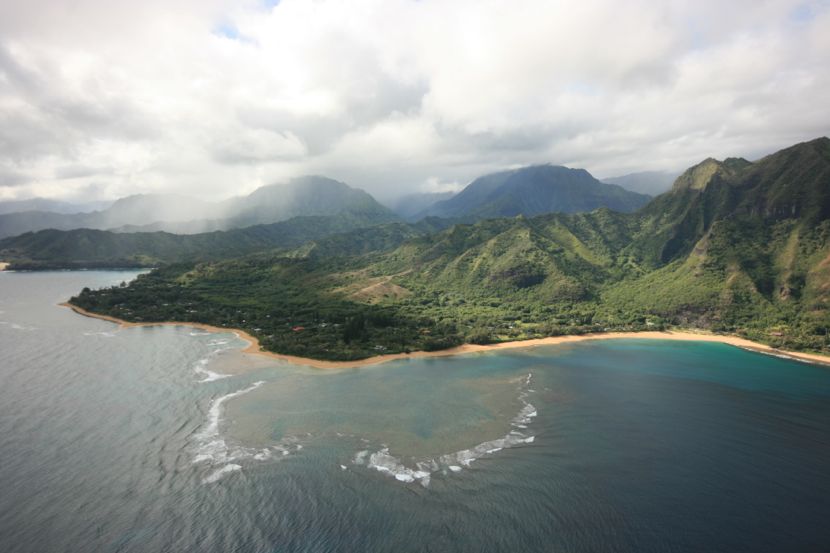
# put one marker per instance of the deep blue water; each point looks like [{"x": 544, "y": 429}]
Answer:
[{"x": 128, "y": 440}]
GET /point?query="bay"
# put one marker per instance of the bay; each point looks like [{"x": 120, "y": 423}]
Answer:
[{"x": 169, "y": 439}]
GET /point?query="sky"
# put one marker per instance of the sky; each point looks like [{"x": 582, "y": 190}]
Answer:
[{"x": 104, "y": 98}]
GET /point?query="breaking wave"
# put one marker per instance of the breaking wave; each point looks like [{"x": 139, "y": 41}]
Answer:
[
  {"x": 212, "y": 449},
  {"x": 216, "y": 475},
  {"x": 386, "y": 463},
  {"x": 785, "y": 356},
  {"x": 201, "y": 366},
  {"x": 104, "y": 334}
]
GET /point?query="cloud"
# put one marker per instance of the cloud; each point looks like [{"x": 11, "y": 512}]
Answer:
[
  {"x": 257, "y": 145},
  {"x": 79, "y": 171},
  {"x": 214, "y": 97},
  {"x": 11, "y": 179}
]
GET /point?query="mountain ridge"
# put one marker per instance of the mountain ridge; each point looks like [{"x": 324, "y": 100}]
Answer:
[
  {"x": 303, "y": 196},
  {"x": 535, "y": 190},
  {"x": 49, "y": 205},
  {"x": 736, "y": 247}
]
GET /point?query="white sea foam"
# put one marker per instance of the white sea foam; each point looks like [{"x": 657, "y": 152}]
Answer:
[
  {"x": 787, "y": 357},
  {"x": 104, "y": 334},
  {"x": 216, "y": 475},
  {"x": 384, "y": 462},
  {"x": 211, "y": 446},
  {"x": 200, "y": 367},
  {"x": 213, "y": 449}
]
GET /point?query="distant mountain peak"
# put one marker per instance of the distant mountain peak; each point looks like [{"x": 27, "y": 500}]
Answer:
[
  {"x": 820, "y": 142},
  {"x": 317, "y": 180},
  {"x": 306, "y": 195},
  {"x": 736, "y": 163},
  {"x": 535, "y": 190},
  {"x": 310, "y": 195},
  {"x": 699, "y": 176}
]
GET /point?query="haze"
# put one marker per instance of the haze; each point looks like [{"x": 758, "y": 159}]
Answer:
[{"x": 102, "y": 99}]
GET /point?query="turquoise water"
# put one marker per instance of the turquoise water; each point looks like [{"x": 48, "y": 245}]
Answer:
[{"x": 168, "y": 439}]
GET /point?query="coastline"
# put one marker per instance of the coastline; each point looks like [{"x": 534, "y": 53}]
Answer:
[
  {"x": 4, "y": 265},
  {"x": 683, "y": 335}
]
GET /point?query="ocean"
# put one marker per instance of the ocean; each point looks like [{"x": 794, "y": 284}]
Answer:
[{"x": 159, "y": 439}]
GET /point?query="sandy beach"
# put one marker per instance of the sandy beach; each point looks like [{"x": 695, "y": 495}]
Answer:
[{"x": 685, "y": 335}]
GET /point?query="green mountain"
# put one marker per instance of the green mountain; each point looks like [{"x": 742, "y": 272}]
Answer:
[
  {"x": 740, "y": 247},
  {"x": 129, "y": 210},
  {"x": 366, "y": 240},
  {"x": 534, "y": 191},
  {"x": 87, "y": 248},
  {"x": 306, "y": 196},
  {"x": 301, "y": 197},
  {"x": 735, "y": 246}
]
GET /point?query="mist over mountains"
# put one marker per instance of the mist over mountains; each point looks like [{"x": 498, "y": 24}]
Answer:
[
  {"x": 54, "y": 206},
  {"x": 301, "y": 197},
  {"x": 276, "y": 216},
  {"x": 412, "y": 206},
  {"x": 305, "y": 196},
  {"x": 529, "y": 191},
  {"x": 652, "y": 183},
  {"x": 312, "y": 210},
  {"x": 130, "y": 210}
]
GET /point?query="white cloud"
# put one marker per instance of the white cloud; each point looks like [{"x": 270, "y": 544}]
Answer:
[
  {"x": 247, "y": 145},
  {"x": 214, "y": 97}
]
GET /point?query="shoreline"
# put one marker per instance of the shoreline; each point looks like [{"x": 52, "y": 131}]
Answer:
[{"x": 680, "y": 335}]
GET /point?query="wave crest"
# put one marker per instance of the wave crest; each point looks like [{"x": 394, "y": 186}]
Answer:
[{"x": 386, "y": 463}]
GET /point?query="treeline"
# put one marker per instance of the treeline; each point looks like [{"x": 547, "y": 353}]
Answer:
[{"x": 284, "y": 315}]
